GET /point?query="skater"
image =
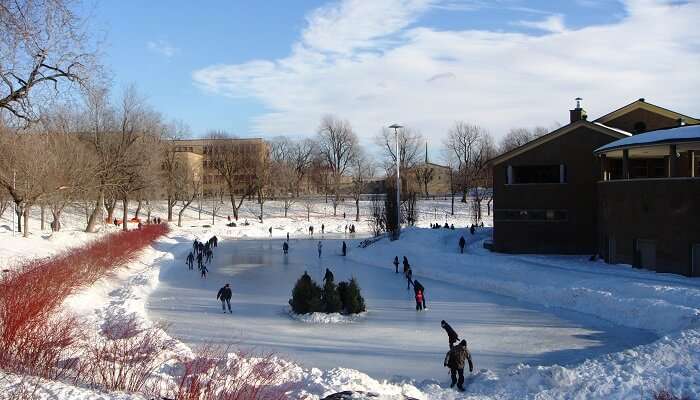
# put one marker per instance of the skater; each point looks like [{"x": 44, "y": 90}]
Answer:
[
  {"x": 396, "y": 264},
  {"x": 343, "y": 215},
  {"x": 285, "y": 247},
  {"x": 454, "y": 360},
  {"x": 190, "y": 261},
  {"x": 270, "y": 231},
  {"x": 452, "y": 336},
  {"x": 472, "y": 229},
  {"x": 419, "y": 300},
  {"x": 287, "y": 236},
  {"x": 452, "y": 226},
  {"x": 328, "y": 276},
  {"x": 406, "y": 265},
  {"x": 199, "y": 261},
  {"x": 311, "y": 230},
  {"x": 209, "y": 254},
  {"x": 225, "y": 296},
  {"x": 204, "y": 271},
  {"x": 320, "y": 247},
  {"x": 215, "y": 241},
  {"x": 462, "y": 242},
  {"x": 323, "y": 229},
  {"x": 417, "y": 287},
  {"x": 345, "y": 249},
  {"x": 195, "y": 245},
  {"x": 409, "y": 275},
  {"x": 346, "y": 229}
]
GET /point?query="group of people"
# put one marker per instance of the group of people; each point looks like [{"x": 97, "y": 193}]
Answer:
[
  {"x": 418, "y": 288},
  {"x": 350, "y": 228},
  {"x": 203, "y": 253},
  {"x": 446, "y": 226}
]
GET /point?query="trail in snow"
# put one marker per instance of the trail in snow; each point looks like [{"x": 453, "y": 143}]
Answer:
[{"x": 392, "y": 340}]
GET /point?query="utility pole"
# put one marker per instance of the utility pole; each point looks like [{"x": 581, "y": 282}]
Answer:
[{"x": 396, "y": 127}]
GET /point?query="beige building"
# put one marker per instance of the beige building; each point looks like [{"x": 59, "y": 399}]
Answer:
[
  {"x": 247, "y": 152},
  {"x": 430, "y": 178}
]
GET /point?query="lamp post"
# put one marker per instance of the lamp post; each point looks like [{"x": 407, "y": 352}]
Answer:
[{"x": 396, "y": 127}]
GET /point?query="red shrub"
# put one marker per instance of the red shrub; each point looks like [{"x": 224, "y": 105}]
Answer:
[{"x": 30, "y": 333}]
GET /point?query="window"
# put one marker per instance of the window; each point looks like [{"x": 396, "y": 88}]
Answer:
[
  {"x": 531, "y": 215},
  {"x": 523, "y": 174},
  {"x": 640, "y": 127}
]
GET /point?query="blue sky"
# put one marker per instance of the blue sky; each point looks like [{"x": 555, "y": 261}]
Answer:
[{"x": 269, "y": 68}]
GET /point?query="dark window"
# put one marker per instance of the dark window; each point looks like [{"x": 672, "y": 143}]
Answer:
[
  {"x": 640, "y": 127},
  {"x": 537, "y": 174},
  {"x": 531, "y": 215}
]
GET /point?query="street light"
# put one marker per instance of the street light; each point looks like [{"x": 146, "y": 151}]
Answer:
[{"x": 396, "y": 127}]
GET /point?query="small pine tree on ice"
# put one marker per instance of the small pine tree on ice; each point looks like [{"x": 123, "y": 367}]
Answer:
[
  {"x": 330, "y": 297},
  {"x": 306, "y": 296},
  {"x": 351, "y": 297}
]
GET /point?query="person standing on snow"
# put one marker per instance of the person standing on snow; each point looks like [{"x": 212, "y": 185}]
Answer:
[
  {"x": 419, "y": 300},
  {"x": 396, "y": 264},
  {"x": 270, "y": 230},
  {"x": 323, "y": 229},
  {"x": 285, "y": 247},
  {"x": 462, "y": 242},
  {"x": 452, "y": 336},
  {"x": 311, "y": 231},
  {"x": 417, "y": 287},
  {"x": 190, "y": 260},
  {"x": 225, "y": 296},
  {"x": 345, "y": 249},
  {"x": 320, "y": 247},
  {"x": 472, "y": 229},
  {"x": 287, "y": 236},
  {"x": 455, "y": 360}
]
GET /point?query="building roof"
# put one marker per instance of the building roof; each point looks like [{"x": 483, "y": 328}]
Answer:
[
  {"x": 643, "y": 104},
  {"x": 599, "y": 127},
  {"x": 681, "y": 134}
]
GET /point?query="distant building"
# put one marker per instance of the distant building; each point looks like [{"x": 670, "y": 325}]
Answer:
[
  {"x": 546, "y": 191},
  {"x": 430, "y": 178}
]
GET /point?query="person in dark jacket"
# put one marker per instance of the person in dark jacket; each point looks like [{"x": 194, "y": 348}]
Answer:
[
  {"x": 462, "y": 242},
  {"x": 225, "y": 296},
  {"x": 204, "y": 271},
  {"x": 323, "y": 229},
  {"x": 409, "y": 275},
  {"x": 200, "y": 261},
  {"x": 417, "y": 287},
  {"x": 472, "y": 229},
  {"x": 285, "y": 247},
  {"x": 452, "y": 336},
  {"x": 396, "y": 264},
  {"x": 455, "y": 360},
  {"x": 328, "y": 275},
  {"x": 345, "y": 249},
  {"x": 215, "y": 241},
  {"x": 190, "y": 260},
  {"x": 406, "y": 265},
  {"x": 270, "y": 230}
]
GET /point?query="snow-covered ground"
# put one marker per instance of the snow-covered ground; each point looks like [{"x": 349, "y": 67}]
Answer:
[{"x": 619, "y": 332}]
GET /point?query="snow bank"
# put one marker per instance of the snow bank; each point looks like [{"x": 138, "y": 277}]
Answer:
[{"x": 323, "y": 318}]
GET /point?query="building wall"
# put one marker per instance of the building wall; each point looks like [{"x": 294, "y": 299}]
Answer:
[
  {"x": 575, "y": 235},
  {"x": 666, "y": 211},
  {"x": 653, "y": 121}
]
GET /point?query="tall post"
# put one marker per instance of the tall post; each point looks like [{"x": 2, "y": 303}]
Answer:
[
  {"x": 625, "y": 164},
  {"x": 398, "y": 186},
  {"x": 691, "y": 153}
]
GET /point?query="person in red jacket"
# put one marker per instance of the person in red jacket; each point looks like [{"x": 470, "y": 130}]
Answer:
[{"x": 419, "y": 300}]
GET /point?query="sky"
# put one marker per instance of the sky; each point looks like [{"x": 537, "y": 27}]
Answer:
[{"x": 269, "y": 68}]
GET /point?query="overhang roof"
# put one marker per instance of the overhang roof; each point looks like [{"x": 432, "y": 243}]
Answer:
[
  {"x": 598, "y": 127},
  {"x": 643, "y": 104},
  {"x": 681, "y": 134}
]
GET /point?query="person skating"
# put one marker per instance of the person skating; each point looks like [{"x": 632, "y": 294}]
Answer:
[
  {"x": 419, "y": 300},
  {"x": 452, "y": 336},
  {"x": 225, "y": 296},
  {"x": 215, "y": 241},
  {"x": 455, "y": 360},
  {"x": 328, "y": 275},
  {"x": 320, "y": 248},
  {"x": 409, "y": 275},
  {"x": 200, "y": 261},
  {"x": 204, "y": 271},
  {"x": 285, "y": 247},
  {"x": 323, "y": 229},
  {"x": 472, "y": 229},
  {"x": 270, "y": 230},
  {"x": 406, "y": 265},
  {"x": 345, "y": 249},
  {"x": 311, "y": 230},
  {"x": 190, "y": 260},
  {"x": 396, "y": 264},
  {"x": 418, "y": 287},
  {"x": 287, "y": 236},
  {"x": 462, "y": 242}
]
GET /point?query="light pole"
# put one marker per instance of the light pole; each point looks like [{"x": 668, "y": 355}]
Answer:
[{"x": 396, "y": 127}]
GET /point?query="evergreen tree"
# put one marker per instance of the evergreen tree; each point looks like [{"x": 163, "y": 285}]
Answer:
[
  {"x": 306, "y": 296},
  {"x": 330, "y": 298},
  {"x": 353, "y": 303}
]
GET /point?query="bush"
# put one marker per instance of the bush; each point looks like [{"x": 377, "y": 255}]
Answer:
[{"x": 306, "y": 296}]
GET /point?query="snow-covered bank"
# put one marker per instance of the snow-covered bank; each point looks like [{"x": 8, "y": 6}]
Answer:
[{"x": 323, "y": 318}]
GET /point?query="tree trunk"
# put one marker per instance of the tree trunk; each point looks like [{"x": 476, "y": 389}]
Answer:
[
  {"x": 56, "y": 223},
  {"x": 18, "y": 212},
  {"x": 92, "y": 221},
  {"x": 27, "y": 209},
  {"x": 43, "y": 217},
  {"x": 125, "y": 213},
  {"x": 357, "y": 209},
  {"x": 170, "y": 208},
  {"x": 138, "y": 208},
  {"x": 453, "y": 203},
  {"x": 261, "y": 207},
  {"x": 110, "y": 205},
  {"x": 233, "y": 204}
]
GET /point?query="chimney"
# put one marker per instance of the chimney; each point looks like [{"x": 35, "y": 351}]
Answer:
[{"x": 578, "y": 113}]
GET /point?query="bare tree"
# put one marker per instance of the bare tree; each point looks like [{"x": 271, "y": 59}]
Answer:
[
  {"x": 190, "y": 185},
  {"x": 424, "y": 175},
  {"x": 235, "y": 166},
  {"x": 362, "y": 172},
  {"x": 337, "y": 146},
  {"x": 301, "y": 156},
  {"x": 309, "y": 205},
  {"x": 410, "y": 144},
  {"x": 43, "y": 51},
  {"x": 171, "y": 163},
  {"x": 471, "y": 147},
  {"x": 517, "y": 137}
]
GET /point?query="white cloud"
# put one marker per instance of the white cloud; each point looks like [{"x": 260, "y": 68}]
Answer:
[
  {"x": 163, "y": 48},
  {"x": 553, "y": 23},
  {"x": 372, "y": 65}
]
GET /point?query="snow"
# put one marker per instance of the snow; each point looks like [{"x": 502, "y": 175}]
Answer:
[
  {"x": 326, "y": 318},
  {"x": 569, "y": 328},
  {"x": 679, "y": 134}
]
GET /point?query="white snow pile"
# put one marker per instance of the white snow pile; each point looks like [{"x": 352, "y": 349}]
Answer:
[{"x": 325, "y": 318}]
